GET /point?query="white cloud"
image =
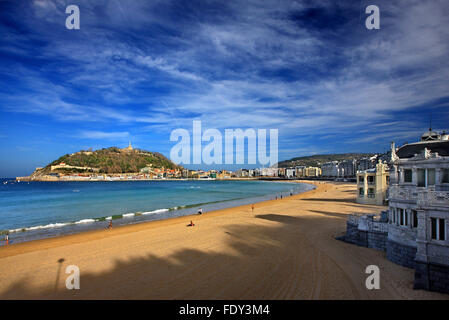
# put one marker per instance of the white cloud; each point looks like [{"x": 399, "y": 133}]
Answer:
[
  {"x": 225, "y": 72},
  {"x": 103, "y": 135}
]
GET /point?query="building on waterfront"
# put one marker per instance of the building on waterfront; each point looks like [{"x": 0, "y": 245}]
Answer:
[
  {"x": 268, "y": 172},
  {"x": 330, "y": 169},
  {"x": 372, "y": 185},
  {"x": 290, "y": 173},
  {"x": 313, "y": 172},
  {"x": 366, "y": 163},
  {"x": 307, "y": 172},
  {"x": 419, "y": 208},
  {"x": 415, "y": 231},
  {"x": 300, "y": 171},
  {"x": 347, "y": 168}
]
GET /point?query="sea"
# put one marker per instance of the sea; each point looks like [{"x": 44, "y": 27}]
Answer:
[{"x": 36, "y": 210}]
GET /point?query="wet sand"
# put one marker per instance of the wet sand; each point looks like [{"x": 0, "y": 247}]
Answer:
[{"x": 285, "y": 249}]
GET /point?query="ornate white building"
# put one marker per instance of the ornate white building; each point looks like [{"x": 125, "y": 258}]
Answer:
[
  {"x": 414, "y": 231},
  {"x": 418, "y": 233}
]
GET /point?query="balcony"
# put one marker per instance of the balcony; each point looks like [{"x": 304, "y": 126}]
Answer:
[
  {"x": 424, "y": 197},
  {"x": 430, "y": 198}
]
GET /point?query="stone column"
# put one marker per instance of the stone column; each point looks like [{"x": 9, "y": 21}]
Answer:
[
  {"x": 394, "y": 175},
  {"x": 415, "y": 176},
  {"x": 438, "y": 177},
  {"x": 401, "y": 176},
  {"x": 365, "y": 186},
  {"x": 421, "y": 260}
]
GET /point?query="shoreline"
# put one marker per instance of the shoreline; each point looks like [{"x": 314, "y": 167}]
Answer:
[
  {"x": 99, "y": 229},
  {"x": 285, "y": 249}
]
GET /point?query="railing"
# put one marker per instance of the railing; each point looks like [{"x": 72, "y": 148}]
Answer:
[
  {"x": 424, "y": 197},
  {"x": 399, "y": 193},
  {"x": 433, "y": 198}
]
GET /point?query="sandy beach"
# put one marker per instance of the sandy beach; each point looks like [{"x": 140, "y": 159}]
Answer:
[{"x": 285, "y": 249}]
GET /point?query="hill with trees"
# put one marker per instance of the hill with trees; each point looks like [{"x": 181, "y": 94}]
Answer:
[
  {"x": 109, "y": 160},
  {"x": 319, "y": 159}
]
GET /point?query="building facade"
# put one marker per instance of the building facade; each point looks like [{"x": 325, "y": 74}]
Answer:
[
  {"x": 414, "y": 231},
  {"x": 419, "y": 209},
  {"x": 329, "y": 169},
  {"x": 372, "y": 185},
  {"x": 347, "y": 168}
]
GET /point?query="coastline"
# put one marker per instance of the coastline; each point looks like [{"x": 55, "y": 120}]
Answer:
[
  {"x": 60, "y": 227},
  {"x": 145, "y": 223},
  {"x": 285, "y": 249}
]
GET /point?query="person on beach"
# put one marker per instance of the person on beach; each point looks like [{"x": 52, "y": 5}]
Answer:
[
  {"x": 200, "y": 211},
  {"x": 110, "y": 224},
  {"x": 252, "y": 207},
  {"x": 281, "y": 197},
  {"x": 7, "y": 239},
  {"x": 276, "y": 197},
  {"x": 191, "y": 224}
]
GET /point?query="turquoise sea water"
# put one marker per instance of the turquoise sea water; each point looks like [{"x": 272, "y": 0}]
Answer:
[{"x": 33, "y": 210}]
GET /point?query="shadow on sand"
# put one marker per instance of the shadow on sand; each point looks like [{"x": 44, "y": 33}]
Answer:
[{"x": 188, "y": 273}]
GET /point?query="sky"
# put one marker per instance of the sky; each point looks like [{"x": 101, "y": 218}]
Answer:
[{"x": 136, "y": 70}]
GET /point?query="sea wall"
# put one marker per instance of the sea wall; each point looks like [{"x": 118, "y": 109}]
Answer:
[
  {"x": 431, "y": 276},
  {"x": 401, "y": 254},
  {"x": 366, "y": 232},
  {"x": 399, "y": 243}
]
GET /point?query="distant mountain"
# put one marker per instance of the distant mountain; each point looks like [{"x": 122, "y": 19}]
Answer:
[
  {"x": 108, "y": 160},
  {"x": 317, "y": 160}
]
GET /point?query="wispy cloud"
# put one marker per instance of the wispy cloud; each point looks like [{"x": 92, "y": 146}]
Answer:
[
  {"x": 309, "y": 69},
  {"x": 103, "y": 135}
]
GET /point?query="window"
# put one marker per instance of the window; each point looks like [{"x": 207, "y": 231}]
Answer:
[
  {"x": 430, "y": 177},
  {"x": 438, "y": 229},
  {"x": 370, "y": 179},
  {"x": 388, "y": 179},
  {"x": 407, "y": 175},
  {"x": 442, "y": 229},
  {"x": 406, "y": 218},
  {"x": 421, "y": 178},
  {"x": 401, "y": 217},
  {"x": 361, "y": 180},
  {"x": 371, "y": 193},
  {"x": 361, "y": 192},
  {"x": 445, "y": 173},
  {"x": 414, "y": 219}
]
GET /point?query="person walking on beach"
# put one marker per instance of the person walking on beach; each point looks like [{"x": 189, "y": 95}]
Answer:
[
  {"x": 200, "y": 211},
  {"x": 7, "y": 239},
  {"x": 110, "y": 224},
  {"x": 252, "y": 207}
]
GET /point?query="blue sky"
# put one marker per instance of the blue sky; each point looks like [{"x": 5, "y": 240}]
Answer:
[{"x": 136, "y": 70}]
